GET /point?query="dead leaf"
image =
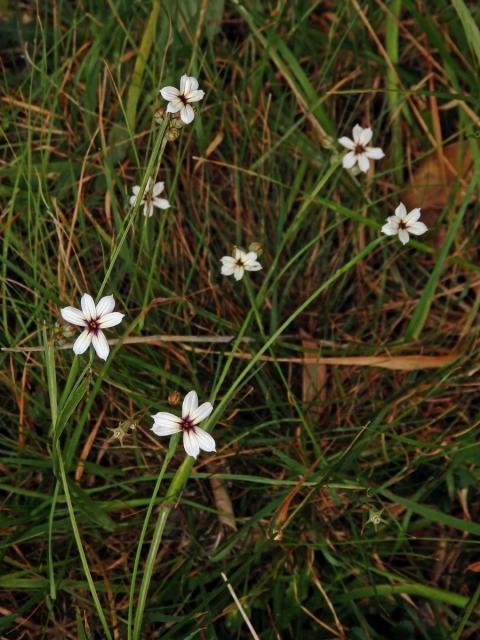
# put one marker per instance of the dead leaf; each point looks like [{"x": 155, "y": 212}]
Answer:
[
  {"x": 314, "y": 377},
  {"x": 223, "y": 503},
  {"x": 475, "y": 566},
  {"x": 438, "y": 178}
]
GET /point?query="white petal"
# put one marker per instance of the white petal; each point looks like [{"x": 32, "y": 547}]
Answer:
[
  {"x": 417, "y": 228},
  {"x": 133, "y": 200},
  {"x": 357, "y": 132},
  {"x": 227, "y": 260},
  {"x": 190, "y": 444},
  {"x": 403, "y": 236},
  {"x": 256, "y": 266},
  {"x": 365, "y": 136},
  {"x": 401, "y": 211},
  {"x": 148, "y": 209},
  {"x": 164, "y": 430},
  {"x": 347, "y": 143},
  {"x": 88, "y": 307},
  {"x": 188, "y": 84},
  {"x": 110, "y": 320},
  {"x": 164, "y": 417},
  {"x": 195, "y": 96},
  {"x": 363, "y": 162},
  {"x": 105, "y": 305},
  {"x": 169, "y": 93},
  {"x": 183, "y": 84},
  {"x": 187, "y": 114},
  {"x": 165, "y": 424},
  {"x": 190, "y": 403},
  {"x": 250, "y": 257},
  {"x": 136, "y": 190},
  {"x": 161, "y": 203},
  {"x": 158, "y": 187},
  {"x": 74, "y": 316},
  {"x": 202, "y": 412},
  {"x": 238, "y": 254},
  {"x": 375, "y": 153},
  {"x": 390, "y": 229},
  {"x": 82, "y": 343},
  {"x": 238, "y": 273},
  {"x": 227, "y": 269},
  {"x": 205, "y": 440},
  {"x": 100, "y": 345},
  {"x": 413, "y": 216},
  {"x": 349, "y": 160},
  {"x": 174, "y": 106}
]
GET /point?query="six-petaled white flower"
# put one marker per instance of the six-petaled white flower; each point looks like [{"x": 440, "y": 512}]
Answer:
[
  {"x": 403, "y": 223},
  {"x": 240, "y": 262},
  {"x": 194, "y": 438},
  {"x": 359, "y": 152},
  {"x": 179, "y": 99},
  {"x": 150, "y": 197},
  {"x": 94, "y": 318}
]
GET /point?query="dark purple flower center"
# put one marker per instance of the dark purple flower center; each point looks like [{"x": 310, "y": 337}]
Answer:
[
  {"x": 359, "y": 148},
  {"x": 183, "y": 99},
  {"x": 187, "y": 424},
  {"x": 93, "y": 326},
  {"x": 239, "y": 263},
  {"x": 402, "y": 224}
]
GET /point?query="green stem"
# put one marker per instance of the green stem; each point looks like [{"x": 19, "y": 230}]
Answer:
[
  {"x": 394, "y": 88},
  {"x": 51, "y": 572},
  {"x": 171, "y": 450},
  {"x": 78, "y": 540},
  {"x": 140, "y": 64},
  {"x": 154, "y": 160}
]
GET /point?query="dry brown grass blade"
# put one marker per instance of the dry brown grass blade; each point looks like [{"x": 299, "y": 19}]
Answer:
[
  {"x": 397, "y": 363},
  {"x": 438, "y": 178},
  {"x": 88, "y": 445},
  {"x": 386, "y": 361},
  {"x": 222, "y": 502},
  {"x": 314, "y": 377}
]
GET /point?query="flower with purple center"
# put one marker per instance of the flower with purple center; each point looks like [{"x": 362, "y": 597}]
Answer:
[
  {"x": 402, "y": 224},
  {"x": 194, "y": 438},
  {"x": 150, "y": 198},
  {"x": 94, "y": 318},
  {"x": 179, "y": 100},
  {"x": 240, "y": 262},
  {"x": 358, "y": 151}
]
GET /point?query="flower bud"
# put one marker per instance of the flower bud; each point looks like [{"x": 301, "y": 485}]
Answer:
[{"x": 174, "y": 398}]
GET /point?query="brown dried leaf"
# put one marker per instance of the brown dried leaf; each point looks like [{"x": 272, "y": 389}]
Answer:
[
  {"x": 438, "y": 178},
  {"x": 223, "y": 503},
  {"x": 314, "y": 377}
]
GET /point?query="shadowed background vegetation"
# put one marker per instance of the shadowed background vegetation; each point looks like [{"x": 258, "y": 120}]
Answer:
[{"x": 315, "y": 441}]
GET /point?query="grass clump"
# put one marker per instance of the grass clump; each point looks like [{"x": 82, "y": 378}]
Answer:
[{"x": 341, "y": 501}]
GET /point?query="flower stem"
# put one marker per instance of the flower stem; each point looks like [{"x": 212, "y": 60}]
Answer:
[
  {"x": 78, "y": 540},
  {"x": 171, "y": 450},
  {"x": 154, "y": 162},
  {"x": 173, "y": 493}
]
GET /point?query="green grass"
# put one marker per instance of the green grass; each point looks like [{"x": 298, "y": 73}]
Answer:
[{"x": 106, "y": 541}]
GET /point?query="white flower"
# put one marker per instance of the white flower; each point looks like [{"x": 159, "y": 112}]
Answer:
[
  {"x": 403, "y": 223},
  {"x": 194, "y": 438},
  {"x": 94, "y": 318},
  {"x": 179, "y": 99},
  {"x": 358, "y": 150},
  {"x": 150, "y": 197},
  {"x": 239, "y": 263}
]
